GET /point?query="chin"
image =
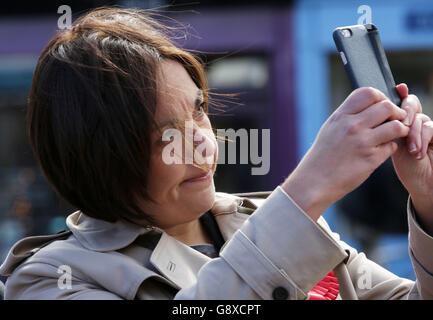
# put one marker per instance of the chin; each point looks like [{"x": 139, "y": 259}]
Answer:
[
  {"x": 203, "y": 200},
  {"x": 207, "y": 196}
]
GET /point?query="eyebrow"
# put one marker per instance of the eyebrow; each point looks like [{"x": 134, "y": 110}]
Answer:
[{"x": 198, "y": 100}]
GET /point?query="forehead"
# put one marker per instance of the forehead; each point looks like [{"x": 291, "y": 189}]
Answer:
[{"x": 176, "y": 90}]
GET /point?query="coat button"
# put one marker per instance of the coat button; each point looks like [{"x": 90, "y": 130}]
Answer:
[{"x": 280, "y": 293}]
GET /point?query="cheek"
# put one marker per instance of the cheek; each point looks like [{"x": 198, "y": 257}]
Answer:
[{"x": 164, "y": 179}]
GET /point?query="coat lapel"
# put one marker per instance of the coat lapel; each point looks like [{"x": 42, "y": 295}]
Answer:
[{"x": 176, "y": 261}]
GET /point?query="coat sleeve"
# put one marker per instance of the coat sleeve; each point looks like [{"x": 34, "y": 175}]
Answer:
[
  {"x": 421, "y": 254},
  {"x": 41, "y": 281},
  {"x": 279, "y": 253},
  {"x": 367, "y": 279},
  {"x": 280, "y": 249},
  {"x": 371, "y": 281}
]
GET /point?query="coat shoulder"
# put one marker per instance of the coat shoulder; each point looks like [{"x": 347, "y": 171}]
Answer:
[{"x": 37, "y": 275}]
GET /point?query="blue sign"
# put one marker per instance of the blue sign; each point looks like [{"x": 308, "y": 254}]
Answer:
[{"x": 420, "y": 21}]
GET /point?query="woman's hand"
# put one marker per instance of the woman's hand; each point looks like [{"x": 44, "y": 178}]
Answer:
[
  {"x": 351, "y": 144},
  {"x": 413, "y": 162}
]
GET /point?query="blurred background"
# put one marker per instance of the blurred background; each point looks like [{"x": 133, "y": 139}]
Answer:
[{"x": 279, "y": 57}]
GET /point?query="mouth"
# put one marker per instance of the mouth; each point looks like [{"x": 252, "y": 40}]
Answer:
[
  {"x": 204, "y": 176},
  {"x": 200, "y": 178}
]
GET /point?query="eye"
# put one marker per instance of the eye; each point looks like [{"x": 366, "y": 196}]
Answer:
[
  {"x": 161, "y": 143},
  {"x": 199, "y": 111}
]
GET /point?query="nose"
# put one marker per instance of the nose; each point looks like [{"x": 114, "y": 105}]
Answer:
[
  {"x": 203, "y": 144},
  {"x": 200, "y": 147}
]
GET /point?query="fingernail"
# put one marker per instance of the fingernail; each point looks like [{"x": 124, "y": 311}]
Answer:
[
  {"x": 406, "y": 121},
  {"x": 419, "y": 155},
  {"x": 412, "y": 147}
]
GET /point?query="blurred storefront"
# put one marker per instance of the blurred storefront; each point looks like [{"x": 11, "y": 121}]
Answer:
[{"x": 27, "y": 204}]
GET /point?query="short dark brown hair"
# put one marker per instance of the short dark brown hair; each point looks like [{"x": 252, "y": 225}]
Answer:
[{"x": 92, "y": 106}]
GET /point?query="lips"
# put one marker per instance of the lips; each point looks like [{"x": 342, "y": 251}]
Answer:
[{"x": 201, "y": 177}]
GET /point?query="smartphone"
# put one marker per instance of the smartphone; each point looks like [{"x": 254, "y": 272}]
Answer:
[{"x": 364, "y": 59}]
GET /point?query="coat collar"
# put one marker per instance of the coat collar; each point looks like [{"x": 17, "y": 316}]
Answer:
[
  {"x": 103, "y": 236},
  {"x": 174, "y": 260}
]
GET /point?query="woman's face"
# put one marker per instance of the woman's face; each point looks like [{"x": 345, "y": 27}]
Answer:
[{"x": 181, "y": 193}]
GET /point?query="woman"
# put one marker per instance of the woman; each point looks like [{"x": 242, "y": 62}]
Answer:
[{"x": 102, "y": 96}]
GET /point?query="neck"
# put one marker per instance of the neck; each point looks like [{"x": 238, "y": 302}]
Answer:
[{"x": 189, "y": 233}]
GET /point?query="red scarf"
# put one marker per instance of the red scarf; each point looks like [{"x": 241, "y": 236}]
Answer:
[{"x": 325, "y": 289}]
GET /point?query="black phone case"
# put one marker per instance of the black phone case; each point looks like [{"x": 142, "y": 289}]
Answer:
[{"x": 364, "y": 59}]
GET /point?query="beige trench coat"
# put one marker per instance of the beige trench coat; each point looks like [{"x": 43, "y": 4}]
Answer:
[{"x": 276, "y": 252}]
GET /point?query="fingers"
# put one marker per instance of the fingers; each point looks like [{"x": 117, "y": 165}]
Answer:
[
  {"x": 360, "y": 99},
  {"x": 386, "y": 150},
  {"x": 402, "y": 90},
  {"x": 426, "y": 136},
  {"x": 410, "y": 103},
  {"x": 388, "y": 131},
  {"x": 413, "y": 141},
  {"x": 381, "y": 111},
  {"x": 412, "y": 106}
]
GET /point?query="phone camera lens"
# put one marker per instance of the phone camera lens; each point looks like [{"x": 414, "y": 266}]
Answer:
[{"x": 346, "y": 33}]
